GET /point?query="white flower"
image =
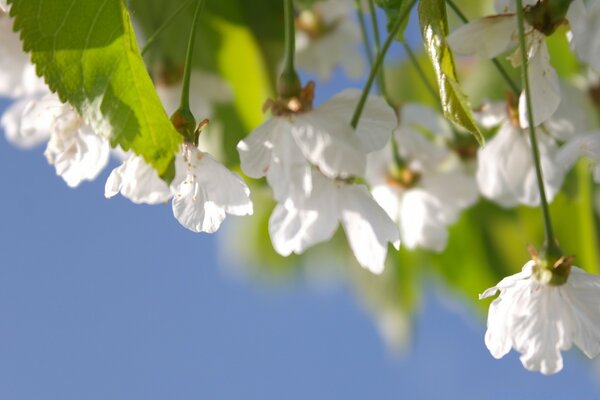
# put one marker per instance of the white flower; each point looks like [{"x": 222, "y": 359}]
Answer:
[
  {"x": 540, "y": 320},
  {"x": 427, "y": 193},
  {"x": 506, "y": 172},
  {"x": 208, "y": 192},
  {"x": 326, "y": 37},
  {"x": 3, "y": 6},
  {"x": 285, "y": 147},
  {"x": 74, "y": 149},
  {"x": 491, "y": 36},
  {"x": 309, "y": 159},
  {"x": 298, "y": 224},
  {"x": 585, "y": 31}
]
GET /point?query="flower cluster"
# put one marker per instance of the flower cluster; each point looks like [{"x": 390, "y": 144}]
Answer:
[{"x": 386, "y": 174}]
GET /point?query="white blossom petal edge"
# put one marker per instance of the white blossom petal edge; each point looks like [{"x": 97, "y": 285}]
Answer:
[
  {"x": 539, "y": 321},
  {"x": 208, "y": 193}
]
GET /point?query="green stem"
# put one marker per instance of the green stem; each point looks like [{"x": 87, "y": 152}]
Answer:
[
  {"x": 550, "y": 244},
  {"x": 164, "y": 26},
  {"x": 377, "y": 39},
  {"x": 378, "y": 63},
  {"x": 499, "y": 67},
  {"x": 187, "y": 72},
  {"x": 421, "y": 73},
  {"x": 289, "y": 82},
  {"x": 363, "y": 31}
]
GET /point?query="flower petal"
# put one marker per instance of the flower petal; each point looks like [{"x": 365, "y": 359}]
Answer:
[
  {"x": 255, "y": 150},
  {"x": 486, "y": 37},
  {"x": 329, "y": 144},
  {"x": 368, "y": 227},
  {"x": 544, "y": 84},
  {"x": 137, "y": 181},
  {"x": 377, "y": 120}
]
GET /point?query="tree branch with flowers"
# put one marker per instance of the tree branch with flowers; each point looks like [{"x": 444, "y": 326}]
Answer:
[{"x": 207, "y": 105}]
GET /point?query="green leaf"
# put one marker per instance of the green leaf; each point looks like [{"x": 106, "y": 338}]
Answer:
[
  {"x": 87, "y": 53},
  {"x": 393, "y": 9},
  {"x": 434, "y": 28}
]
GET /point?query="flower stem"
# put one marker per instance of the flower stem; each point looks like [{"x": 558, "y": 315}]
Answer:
[
  {"x": 551, "y": 246},
  {"x": 288, "y": 84},
  {"x": 377, "y": 40},
  {"x": 363, "y": 30},
  {"x": 164, "y": 26},
  {"x": 378, "y": 63},
  {"x": 187, "y": 72},
  {"x": 495, "y": 61}
]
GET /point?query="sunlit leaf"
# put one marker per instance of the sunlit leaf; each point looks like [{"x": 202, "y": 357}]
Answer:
[{"x": 87, "y": 53}]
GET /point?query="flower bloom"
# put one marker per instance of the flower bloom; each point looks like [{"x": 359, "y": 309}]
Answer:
[
  {"x": 540, "y": 320},
  {"x": 310, "y": 159},
  {"x": 427, "y": 193},
  {"x": 326, "y": 37},
  {"x": 491, "y": 36},
  {"x": 505, "y": 171}
]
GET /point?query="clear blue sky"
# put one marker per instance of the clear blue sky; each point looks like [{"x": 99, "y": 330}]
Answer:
[{"x": 105, "y": 300}]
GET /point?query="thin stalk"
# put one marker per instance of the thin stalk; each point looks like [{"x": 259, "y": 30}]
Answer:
[
  {"x": 288, "y": 84},
  {"x": 377, "y": 40},
  {"x": 363, "y": 31},
  {"x": 551, "y": 244},
  {"x": 378, "y": 63},
  {"x": 499, "y": 67},
  {"x": 187, "y": 72},
  {"x": 421, "y": 72},
  {"x": 164, "y": 26}
]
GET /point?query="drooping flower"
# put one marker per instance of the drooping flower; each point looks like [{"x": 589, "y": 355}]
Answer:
[
  {"x": 208, "y": 193},
  {"x": 506, "y": 172},
  {"x": 311, "y": 156},
  {"x": 491, "y": 36},
  {"x": 327, "y": 37},
  {"x": 299, "y": 223},
  {"x": 539, "y": 320},
  {"x": 428, "y": 191}
]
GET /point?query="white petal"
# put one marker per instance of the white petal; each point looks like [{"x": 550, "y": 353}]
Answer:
[
  {"x": 75, "y": 150},
  {"x": 377, "y": 120},
  {"x": 486, "y": 37},
  {"x": 296, "y": 226},
  {"x": 137, "y": 181},
  {"x": 421, "y": 222},
  {"x": 368, "y": 228},
  {"x": 423, "y": 117},
  {"x": 329, "y": 144},
  {"x": 491, "y": 114},
  {"x": 455, "y": 191},
  {"x": 289, "y": 174},
  {"x": 209, "y": 191},
  {"x": 545, "y": 88},
  {"x": 3, "y": 6},
  {"x": 27, "y": 122},
  {"x": 255, "y": 149}
]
